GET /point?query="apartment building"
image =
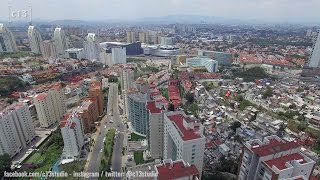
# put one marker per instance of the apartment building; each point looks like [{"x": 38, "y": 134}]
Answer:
[
  {"x": 73, "y": 136},
  {"x": 156, "y": 124},
  {"x": 274, "y": 158},
  {"x": 16, "y": 128},
  {"x": 183, "y": 139}
]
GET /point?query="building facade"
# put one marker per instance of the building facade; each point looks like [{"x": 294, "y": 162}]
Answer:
[
  {"x": 223, "y": 58},
  {"x": 210, "y": 64},
  {"x": 16, "y": 128},
  {"x": 92, "y": 47},
  {"x": 50, "y": 106},
  {"x": 272, "y": 159},
  {"x": 156, "y": 124},
  {"x": 73, "y": 136},
  {"x": 95, "y": 91},
  {"x": 314, "y": 61},
  {"x": 137, "y": 113},
  {"x": 127, "y": 80},
  {"x": 74, "y": 53},
  {"x": 49, "y": 49},
  {"x": 7, "y": 40},
  {"x": 88, "y": 111},
  {"x": 35, "y": 40},
  {"x": 119, "y": 55},
  {"x": 183, "y": 139},
  {"x": 60, "y": 42}
]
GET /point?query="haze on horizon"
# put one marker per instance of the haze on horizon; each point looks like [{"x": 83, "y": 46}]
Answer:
[{"x": 101, "y": 10}]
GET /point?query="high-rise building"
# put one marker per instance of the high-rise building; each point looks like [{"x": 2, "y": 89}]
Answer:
[
  {"x": 88, "y": 111},
  {"x": 167, "y": 41},
  {"x": 119, "y": 55},
  {"x": 274, "y": 158},
  {"x": 314, "y": 61},
  {"x": 95, "y": 91},
  {"x": 73, "y": 136},
  {"x": 60, "y": 41},
  {"x": 142, "y": 37},
  {"x": 137, "y": 112},
  {"x": 35, "y": 40},
  {"x": 156, "y": 127},
  {"x": 131, "y": 37},
  {"x": 7, "y": 40},
  {"x": 183, "y": 139},
  {"x": 126, "y": 80},
  {"x": 92, "y": 47},
  {"x": 16, "y": 128},
  {"x": 223, "y": 58},
  {"x": 49, "y": 49},
  {"x": 201, "y": 61},
  {"x": 50, "y": 106},
  {"x": 178, "y": 169}
]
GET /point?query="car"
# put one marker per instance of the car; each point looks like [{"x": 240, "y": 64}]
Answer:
[
  {"x": 101, "y": 150},
  {"x": 105, "y": 126},
  {"x": 111, "y": 121}
]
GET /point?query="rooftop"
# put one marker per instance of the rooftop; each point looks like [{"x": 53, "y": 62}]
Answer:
[
  {"x": 186, "y": 133},
  {"x": 41, "y": 96},
  {"x": 273, "y": 146},
  {"x": 153, "y": 108},
  {"x": 175, "y": 170},
  {"x": 280, "y": 162}
]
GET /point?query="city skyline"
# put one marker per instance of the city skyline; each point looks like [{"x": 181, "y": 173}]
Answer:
[{"x": 271, "y": 10}]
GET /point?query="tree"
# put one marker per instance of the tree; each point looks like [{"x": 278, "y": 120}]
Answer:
[
  {"x": 235, "y": 125},
  {"x": 171, "y": 107},
  {"x": 5, "y": 164},
  {"x": 113, "y": 79},
  {"x": 302, "y": 126},
  {"x": 220, "y": 83},
  {"x": 267, "y": 93},
  {"x": 189, "y": 97}
]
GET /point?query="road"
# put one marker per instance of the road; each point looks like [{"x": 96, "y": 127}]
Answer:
[
  {"x": 95, "y": 155},
  {"x": 116, "y": 164}
]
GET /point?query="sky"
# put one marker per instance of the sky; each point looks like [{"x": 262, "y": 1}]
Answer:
[{"x": 100, "y": 10}]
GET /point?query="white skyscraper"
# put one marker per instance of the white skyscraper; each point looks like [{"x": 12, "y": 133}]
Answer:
[
  {"x": 35, "y": 40},
  {"x": 60, "y": 41},
  {"x": 92, "y": 47},
  {"x": 183, "y": 139},
  {"x": 16, "y": 128},
  {"x": 49, "y": 49},
  {"x": 119, "y": 55},
  {"x": 315, "y": 57},
  {"x": 7, "y": 40},
  {"x": 73, "y": 136}
]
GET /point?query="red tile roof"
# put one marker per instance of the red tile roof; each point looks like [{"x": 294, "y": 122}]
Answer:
[
  {"x": 274, "y": 146},
  {"x": 151, "y": 106},
  {"x": 41, "y": 96},
  {"x": 186, "y": 134},
  {"x": 280, "y": 162},
  {"x": 175, "y": 171}
]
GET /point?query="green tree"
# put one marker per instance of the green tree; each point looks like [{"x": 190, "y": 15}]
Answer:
[
  {"x": 267, "y": 93},
  {"x": 302, "y": 126},
  {"x": 5, "y": 164},
  {"x": 189, "y": 97}
]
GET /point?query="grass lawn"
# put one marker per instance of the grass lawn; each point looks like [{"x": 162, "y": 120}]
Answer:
[
  {"x": 76, "y": 166},
  {"x": 107, "y": 151},
  {"x": 16, "y": 54},
  {"x": 293, "y": 126},
  {"x": 138, "y": 157},
  {"x": 136, "y": 137}
]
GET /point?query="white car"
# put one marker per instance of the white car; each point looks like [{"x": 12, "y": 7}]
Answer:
[
  {"x": 101, "y": 150},
  {"x": 111, "y": 121}
]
